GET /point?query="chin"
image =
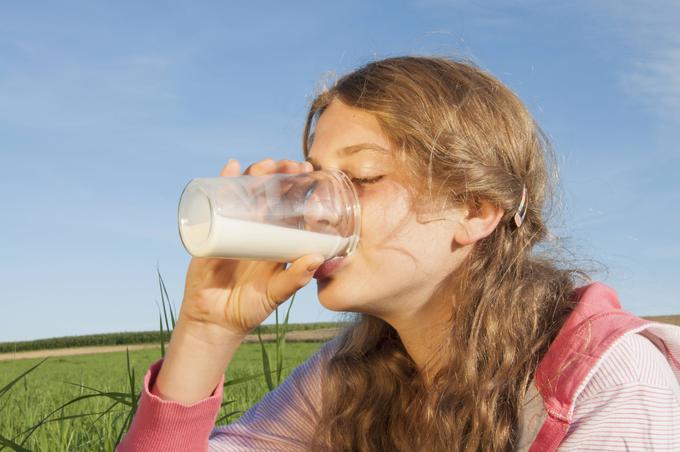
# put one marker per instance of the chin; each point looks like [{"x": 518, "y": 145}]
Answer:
[
  {"x": 328, "y": 301},
  {"x": 336, "y": 299},
  {"x": 331, "y": 298}
]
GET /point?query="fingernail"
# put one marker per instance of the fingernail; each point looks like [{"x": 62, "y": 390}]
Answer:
[{"x": 316, "y": 263}]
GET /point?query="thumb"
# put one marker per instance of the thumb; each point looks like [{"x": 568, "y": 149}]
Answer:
[{"x": 296, "y": 276}]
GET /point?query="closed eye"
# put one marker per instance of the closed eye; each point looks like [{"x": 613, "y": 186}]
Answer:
[{"x": 371, "y": 180}]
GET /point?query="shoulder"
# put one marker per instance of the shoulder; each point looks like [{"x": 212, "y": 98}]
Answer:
[
  {"x": 632, "y": 398},
  {"x": 307, "y": 376},
  {"x": 633, "y": 360},
  {"x": 310, "y": 371},
  {"x": 317, "y": 362}
]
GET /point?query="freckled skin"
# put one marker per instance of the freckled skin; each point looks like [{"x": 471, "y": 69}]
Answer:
[{"x": 398, "y": 262}]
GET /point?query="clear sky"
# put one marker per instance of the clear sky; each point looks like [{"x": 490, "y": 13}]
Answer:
[{"x": 107, "y": 110}]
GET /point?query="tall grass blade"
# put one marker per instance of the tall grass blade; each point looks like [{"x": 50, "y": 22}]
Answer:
[
  {"x": 285, "y": 321},
  {"x": 165, "y": 314},
  {"x": 9, "y": 385},
  {"x": 79, "y": 415},
  {"x": 43, "y": 421},
  {"x": 228, "y": 415},
  {"x": 228, "y": 402},
  {"x": 281, "y": 343},
  {"x": 167, "y": 297},
  {"x": 124, "y": 428},
  {"x": 131, "y": 376},
  {"x": 103, "y": 413},
  {"x": 172, "y": 315},
  {"x": 6, "y": 442},
  {"x": 240, "y": 380},
  {"x": 265, "y": 363},
  {"x": 119, "y": 397},
  {"x": 160, "y": 324}
]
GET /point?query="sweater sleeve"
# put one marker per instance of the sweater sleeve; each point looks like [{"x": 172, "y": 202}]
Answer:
[
  {"x": 632, "y": 402},
  {"x": 283, "y": 420}
]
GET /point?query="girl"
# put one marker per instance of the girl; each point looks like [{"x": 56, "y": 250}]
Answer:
[{"x": 465, "y": 336}]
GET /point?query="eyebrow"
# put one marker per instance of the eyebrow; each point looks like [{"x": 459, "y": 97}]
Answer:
[{"x": 352, "y": 149}]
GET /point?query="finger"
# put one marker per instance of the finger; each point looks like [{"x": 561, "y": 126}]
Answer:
[
  {"x": 269, "y": 166},
  {"x": 261, "y": 168},
  {"x": 284, "y": 284},
  {"x": 285, "y": 166},
  {"x": 232, "y": 168},
  {"x": 288, "y": 166}
]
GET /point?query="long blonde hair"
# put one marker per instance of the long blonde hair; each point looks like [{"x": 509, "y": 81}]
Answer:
[{"x": 470, "y": 139}]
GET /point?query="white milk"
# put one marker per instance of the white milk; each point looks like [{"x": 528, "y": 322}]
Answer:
[{"x": 236, "y": 239}]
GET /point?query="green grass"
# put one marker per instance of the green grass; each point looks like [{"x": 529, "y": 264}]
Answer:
[{"x": 46, "y": 388}]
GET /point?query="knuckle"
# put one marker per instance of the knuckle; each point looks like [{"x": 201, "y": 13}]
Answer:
[{"x": 270, "y": 299}]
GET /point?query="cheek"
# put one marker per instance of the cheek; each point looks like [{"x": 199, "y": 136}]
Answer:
[{"x": 385, "y": 214}]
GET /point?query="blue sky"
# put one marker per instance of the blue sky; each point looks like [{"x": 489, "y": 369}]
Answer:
[{"x": 108, "y": 109}]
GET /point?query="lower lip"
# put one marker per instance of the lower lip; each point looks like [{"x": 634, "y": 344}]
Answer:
[{"x": 328, "y": 267}]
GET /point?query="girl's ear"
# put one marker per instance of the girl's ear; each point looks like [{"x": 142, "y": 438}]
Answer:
[{"x": 477, "y": 224}]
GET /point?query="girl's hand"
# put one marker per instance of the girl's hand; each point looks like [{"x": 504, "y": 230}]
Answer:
[{"x": 228, "y": 298}]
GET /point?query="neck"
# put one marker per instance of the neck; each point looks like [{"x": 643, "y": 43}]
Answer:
[{"x": 424, "y": 334}]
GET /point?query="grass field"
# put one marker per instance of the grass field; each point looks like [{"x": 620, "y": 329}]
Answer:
[{"x": 46, "y": 388}]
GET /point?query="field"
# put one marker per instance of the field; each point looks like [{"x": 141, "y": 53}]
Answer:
[
  {"x": 47, "y": 387},
  {"x": 303, "y": 335},
  {"x": 126, "y": 338},
  {"x": 672, "y": 319}
]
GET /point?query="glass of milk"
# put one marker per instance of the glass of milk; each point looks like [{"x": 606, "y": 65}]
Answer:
[{"x": 277, "y": 217}]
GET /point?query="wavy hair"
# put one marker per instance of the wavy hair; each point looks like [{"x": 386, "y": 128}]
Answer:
[{"x": 461, "y": 137}]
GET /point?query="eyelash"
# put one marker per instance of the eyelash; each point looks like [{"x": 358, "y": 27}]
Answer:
[{"x": 372, "y": 180}]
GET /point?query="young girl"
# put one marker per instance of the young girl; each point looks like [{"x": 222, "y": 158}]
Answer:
[{"x": 466, "y": 337}]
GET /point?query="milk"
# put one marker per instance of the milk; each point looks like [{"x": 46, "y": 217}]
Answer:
[{"x": 239, "y": 239}]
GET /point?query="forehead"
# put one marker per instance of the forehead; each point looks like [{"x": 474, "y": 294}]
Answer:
[{"x": 342, "y": 129}]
